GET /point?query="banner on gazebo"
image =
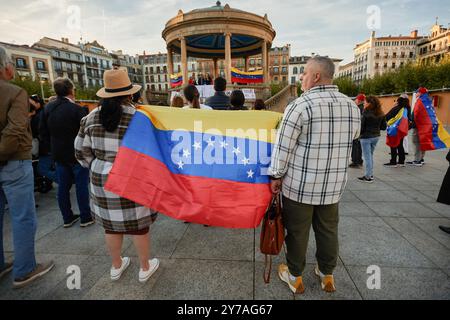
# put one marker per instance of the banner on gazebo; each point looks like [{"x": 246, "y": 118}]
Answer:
[
  {"x": 176, "y": 80},
  {"x": 238, "y": 76}
]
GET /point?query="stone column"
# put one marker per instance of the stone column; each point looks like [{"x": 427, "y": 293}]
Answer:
[
  {"x": 215, "y": 71},
  {"x": 228, "y": 57},
  {"x": 184, "y": 66},
  {"x": 246, "y": 64},
  {"x": 169, "y": 61},
  {"x": 265, "y": 63}
]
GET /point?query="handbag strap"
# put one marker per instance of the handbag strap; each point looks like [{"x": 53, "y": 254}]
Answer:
[{"x": 267, "y": 263}]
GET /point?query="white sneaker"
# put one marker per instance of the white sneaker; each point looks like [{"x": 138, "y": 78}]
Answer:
[
  {"x": 145, "y": 275},
  {"x": 117, "y": 273}
]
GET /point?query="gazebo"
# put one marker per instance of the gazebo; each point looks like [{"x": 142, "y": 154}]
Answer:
[{"x": 218, "y": 32}]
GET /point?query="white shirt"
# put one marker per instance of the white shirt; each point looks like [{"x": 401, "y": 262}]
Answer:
[{"x": 202, "y": 106}]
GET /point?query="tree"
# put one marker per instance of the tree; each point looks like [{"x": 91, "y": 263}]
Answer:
[
  {"x": 33, "y": 86},
  {"x": 347, "y": 86}
]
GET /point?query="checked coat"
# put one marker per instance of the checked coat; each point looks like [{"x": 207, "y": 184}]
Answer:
[
  {"x": 314, "y": 144},
  {"x": 96, "y": 149}
]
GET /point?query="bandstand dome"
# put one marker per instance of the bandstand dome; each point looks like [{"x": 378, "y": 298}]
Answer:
[{"x": 218, "y": 32}]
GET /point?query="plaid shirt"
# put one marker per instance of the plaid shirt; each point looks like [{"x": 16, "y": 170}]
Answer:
[
  {"x": 313, "y": 146},
  {"x": 96, "y": 149}
]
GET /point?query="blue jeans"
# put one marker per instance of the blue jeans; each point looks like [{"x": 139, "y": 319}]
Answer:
[
  {"x": 67, "y": 175},
  {"x": 17, "y": 189},
  {"x": 368, "y": 147},
  {"x": 45, "y": 167}
]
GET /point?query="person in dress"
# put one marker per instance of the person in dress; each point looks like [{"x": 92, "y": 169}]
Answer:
[{"x": 96, "y": 147}]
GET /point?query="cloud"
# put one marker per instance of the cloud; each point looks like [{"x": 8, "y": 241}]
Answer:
[{"x": 326, "y": 27}]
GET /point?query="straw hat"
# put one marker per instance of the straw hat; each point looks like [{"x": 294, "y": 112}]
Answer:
[{"x": 117, "y": 83}]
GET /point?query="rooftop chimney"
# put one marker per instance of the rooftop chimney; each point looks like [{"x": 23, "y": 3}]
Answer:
[{"x": 414, "y": 34}]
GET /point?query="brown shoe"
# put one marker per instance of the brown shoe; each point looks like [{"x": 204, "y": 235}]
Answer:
[
  {"x": 6, "y": 269},
  {"x": 39, "y": 271},
  {"x": 326, "y": 281},
  {"x": 296, "y": 285}
]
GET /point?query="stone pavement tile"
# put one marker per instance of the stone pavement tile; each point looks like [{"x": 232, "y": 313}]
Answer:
[
  {"x": 427, "y": 187},
  {"x": 355, "y": 185},
  {"x": 370, "y": 241},
  {"x": 431, "y": 227},
  {"x": 355, "y": 209},
  {"x": 201, "y": 242},
  {"x": 195, "y": 279},
  {"x": 404, "y": 284},
  {"x": 402, "y": 210},
  {"x": 348, "y": 196},
  {"x": 429, "y": 247},
  {"x": 382, "y": 196},
  {"x": 440, "y": 208},
  {"x": 74, "y": 240},
  {"x": 40, "y": 287},
  {"x": 127, "y": 287},
  {"x": 92, "y": 269},
  {"x": 420, "y": 196},
  {"x": 164, "y": 236}
]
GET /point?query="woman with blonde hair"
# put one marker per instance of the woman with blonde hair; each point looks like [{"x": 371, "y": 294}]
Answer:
[{"x": 96, "y": 147}]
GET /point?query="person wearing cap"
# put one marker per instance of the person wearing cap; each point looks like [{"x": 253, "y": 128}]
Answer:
[
  {"x": 59, "y": 126},
  {"x": 16, "y": 180},
  {"x": 357, "y": 160},
  {"x": 96, "y": 147},
  {"x": 419, "y": 155}
]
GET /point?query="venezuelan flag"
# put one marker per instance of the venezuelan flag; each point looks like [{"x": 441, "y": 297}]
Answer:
[
  {"x": 397, "y": 128},
  {"x": 239, "y": 76},
  {"x": 202, "y": 166},
  {"x": 432, "y": 135},
  {"x": 176, "y": 80}
]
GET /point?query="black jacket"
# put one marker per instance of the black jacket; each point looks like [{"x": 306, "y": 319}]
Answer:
[
  {"x": 59, "y": 126},
  {"x": 371, "y": 125},
  {"x": 44, "y": 148},
  {"x": 219, "y": 101}
]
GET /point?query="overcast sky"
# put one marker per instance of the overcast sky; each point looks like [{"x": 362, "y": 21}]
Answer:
[{"x": 324, "y": 27}]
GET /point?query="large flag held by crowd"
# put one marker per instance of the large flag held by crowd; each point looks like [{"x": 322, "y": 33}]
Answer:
[
  {"x": 397, "y": 128},
  {"x": 432, "y": 135},
  {"x": 202, "y": 166}
]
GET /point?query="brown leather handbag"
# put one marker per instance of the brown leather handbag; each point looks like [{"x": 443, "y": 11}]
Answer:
[{"x": 272, "y": 234}]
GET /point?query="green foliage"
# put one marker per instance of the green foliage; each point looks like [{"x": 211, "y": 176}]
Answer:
[
  {"x": 275, "y": 88},
  {"x": 33, "y": 86},
  {"x": 405, "y": 79},
  {"x": 86, "y": 93},
  {"x": 346, "y": 86}
]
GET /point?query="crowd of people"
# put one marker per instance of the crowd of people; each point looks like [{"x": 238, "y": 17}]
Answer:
[
  {"x": 83, "y": 147},
  {"x": 219, "y": 101}
]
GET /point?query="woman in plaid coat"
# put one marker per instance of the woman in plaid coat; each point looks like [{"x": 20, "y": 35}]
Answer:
[{"x": 96, "y": 146}]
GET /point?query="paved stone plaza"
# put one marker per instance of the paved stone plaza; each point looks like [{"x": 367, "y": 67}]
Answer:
[{"x": 392, "y": 223}]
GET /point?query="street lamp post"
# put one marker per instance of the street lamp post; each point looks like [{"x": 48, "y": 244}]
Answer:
[{"x": 42, "y": 87}]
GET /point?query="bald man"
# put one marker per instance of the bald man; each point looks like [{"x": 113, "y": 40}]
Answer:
[{"x": 309, "y": 166}]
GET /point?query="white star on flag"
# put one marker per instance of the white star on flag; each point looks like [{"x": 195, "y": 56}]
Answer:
[
  {"x": 210, "y": 143},
  {"x": 250, "y": 174},
  {"x": 223, "y": 144},
  {"x": 180, "y": 164},
  {"x": 246, "y": 161},
  {"x": 197, "y": 145},
  {"x": 236, "y": 151},
  {"x": 186, "y": 153}
]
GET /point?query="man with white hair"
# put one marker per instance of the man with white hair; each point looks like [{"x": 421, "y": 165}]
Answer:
[
  {"x": 16, "y": 179},
  {"x": 309, "y": 165}
]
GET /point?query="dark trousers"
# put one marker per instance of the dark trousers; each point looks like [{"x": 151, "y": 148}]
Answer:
[
  {"x": 67, "y": 175},
  {"x": 297, "y": 219},
  {"x": 356, "y": 152},
  {"x": 400, "y": 152}
]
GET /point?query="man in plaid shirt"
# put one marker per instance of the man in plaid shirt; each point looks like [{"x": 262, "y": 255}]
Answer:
[{"x": 309, "y": 163}]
